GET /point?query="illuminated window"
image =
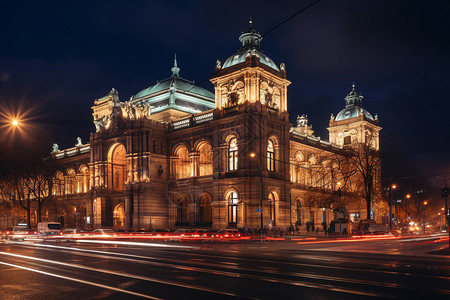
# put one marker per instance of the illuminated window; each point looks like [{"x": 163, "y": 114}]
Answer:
[
  {"x": 117, "y": 167},
  {"x": 71, "y": 182},
  {"x": 233, "y": 207},
  {"x": 270, "y": 156},
  {"x": 232, "y": 155},
  {"x": 205, "y": 160},
  {"x": 183, "y": 164},
  {"x": 272, "y": 208}
]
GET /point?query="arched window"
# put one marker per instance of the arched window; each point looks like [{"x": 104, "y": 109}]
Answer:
[
  {"x": 205, "y": 209},
  {"x": 119, "y": 216},
  {"x": 85, "y": 180},
  {"x": 59, "y": 184},
  {"x": 233, "y": 207},
  {"x": 183, "y": 165},
  {"x": 117, "y": 161},
  {"x": 71, "y": 183},
  {"x": 298, "y": 214},
  {"x": 205, "y": 160},
  {"x": 270, "y": 156},
  {"x": 232, "y": 155},
  {"x": 271, "y": 199}
]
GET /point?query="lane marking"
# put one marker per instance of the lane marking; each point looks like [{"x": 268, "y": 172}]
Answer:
[{"x": 81, "y": 281}]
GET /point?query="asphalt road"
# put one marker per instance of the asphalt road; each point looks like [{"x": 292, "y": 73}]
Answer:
[{"x": 301, "y": 269}]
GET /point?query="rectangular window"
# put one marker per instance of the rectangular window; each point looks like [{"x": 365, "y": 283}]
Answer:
[
  {"x": 347, "y": 140},
  {"x": 311, "y": 216}
]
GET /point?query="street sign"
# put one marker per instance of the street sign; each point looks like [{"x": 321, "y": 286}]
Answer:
[{"x": 259, "y": 209}]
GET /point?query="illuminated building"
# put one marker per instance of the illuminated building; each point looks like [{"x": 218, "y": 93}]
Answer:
[{"x": 177, "y": 155}]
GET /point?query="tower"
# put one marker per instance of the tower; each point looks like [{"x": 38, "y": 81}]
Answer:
[
  {"x": 354, "y": 124},
  {"x": 250, "y": 76}
]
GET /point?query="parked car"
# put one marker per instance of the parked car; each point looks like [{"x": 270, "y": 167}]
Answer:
[
  {"x": 372, "y": 228},
  {"x": 8, "y": 231},
  {"x": 202, "y": 233},
  {"x": 184, "y": 232},
  {"x": 227, "y": 233},
  {"x": 104, "y": 232},
  {"x": 74, "y": 233},
  {"x": 21, "y": 233}
]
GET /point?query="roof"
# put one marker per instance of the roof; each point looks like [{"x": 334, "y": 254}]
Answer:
[
  {"x": 353, "y": 107},
  {"x": 177, "y": 93},
  {"x": 250, "y": 41}
]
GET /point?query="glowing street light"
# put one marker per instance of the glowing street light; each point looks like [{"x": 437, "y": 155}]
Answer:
[
  {"x": 392, "y": 187},
  {"x": 15, "y": 122},
  {"x": 253, "y": 155}
]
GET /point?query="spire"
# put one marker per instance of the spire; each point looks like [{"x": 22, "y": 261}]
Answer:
[
  {"x": 250, "y": 38},
  {"x": 353, "y": 98},
  {"x": 175, "y": 69}
]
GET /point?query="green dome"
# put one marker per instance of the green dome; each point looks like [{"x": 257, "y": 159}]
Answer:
[
  {"x": 250, "y": 41},
  {"x": 177, "y": 93}
]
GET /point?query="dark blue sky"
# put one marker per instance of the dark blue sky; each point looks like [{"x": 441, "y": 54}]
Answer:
[{"x": 57, "y": 57}]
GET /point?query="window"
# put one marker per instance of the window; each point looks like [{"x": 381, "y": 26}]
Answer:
[
  {"x": 232, "y": 155},
  {"x": 205, "y": 165},
  {"x": 347, "y": 140},
  {"x": 183, "y": 164},
  {"x": 233, "y": 207},
  {"x": 298, "y": 214},
  {"x": 270, "y": 156},
  {"x": 182, "y": 210},
  {"x": 272, "y": 209},
  {"x": 205, "y": 209},
  {"x": 311, "y": 217}
]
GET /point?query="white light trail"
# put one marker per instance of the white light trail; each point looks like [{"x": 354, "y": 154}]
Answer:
[{"x": 80, "y": 281}]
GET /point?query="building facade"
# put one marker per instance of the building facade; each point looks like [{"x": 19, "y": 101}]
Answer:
[{"x": 178, "y": 155}]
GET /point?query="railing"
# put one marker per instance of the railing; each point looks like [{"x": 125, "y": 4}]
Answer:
[{"x": 72, "y": 151}]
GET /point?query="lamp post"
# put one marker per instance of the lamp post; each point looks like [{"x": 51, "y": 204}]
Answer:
[
  {"x": 444, "y": 194},
  {"x": 425, "y": 203},
  {"x": 392, "y": 187},
  {"x": 253, "y": 155},
  {"x": 339, "y": 191}
]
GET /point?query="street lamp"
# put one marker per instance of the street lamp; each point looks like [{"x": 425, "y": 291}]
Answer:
[
  {"x": 392, "y": 187},
  {"x": 339, "y": 191},
  {"x": 425, "y": 203},
  {"x": 253, "y": 155}
]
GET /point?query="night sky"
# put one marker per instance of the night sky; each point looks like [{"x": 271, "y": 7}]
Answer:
[{"x": 57, "y": 57}]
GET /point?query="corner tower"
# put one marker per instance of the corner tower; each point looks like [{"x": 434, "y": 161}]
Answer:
[
  {"x": 354, "y": 124},
  {"x": 250, "y": 76}
]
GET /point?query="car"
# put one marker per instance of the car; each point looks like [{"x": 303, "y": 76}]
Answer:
[
  {"x": 160, "y": 232},
  {"x": 6, "y": 232},
  {"x": 73, "y": 233},
  {"x": 183, "y": 232},
  {"x": 227, "y": 233},
  {"x": 374, "y": 229},
  {"x": 21, "y": 233},
  {"x": 104, "y": 232},
  {"x": 202, "y": 233}
]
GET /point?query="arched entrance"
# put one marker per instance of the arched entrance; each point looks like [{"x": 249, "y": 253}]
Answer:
[
  {"x": 205, "y": 210},
  {"x": 117, "y": 168},
  {"x": 182, "y": 211},
  {"x": 119, "y": 216}
]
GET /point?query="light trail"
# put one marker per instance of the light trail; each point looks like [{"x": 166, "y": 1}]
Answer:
[
  {"x": 80, "y": 281},
  {"x": 122, "y": 274},
  {"x": 269, "y": 279},
  {"x": 134, "y": 244}
]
